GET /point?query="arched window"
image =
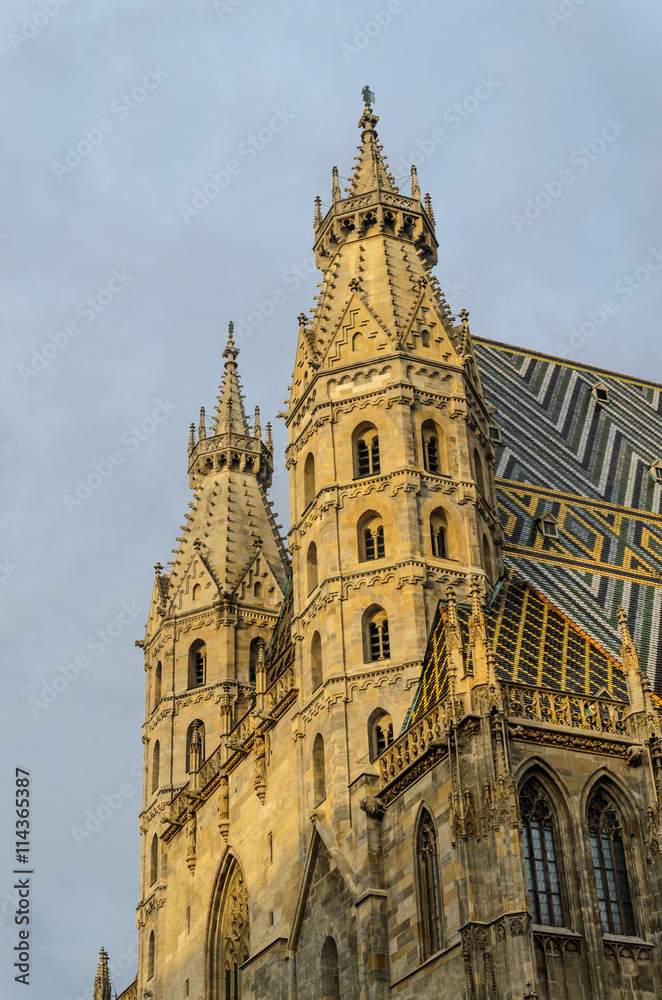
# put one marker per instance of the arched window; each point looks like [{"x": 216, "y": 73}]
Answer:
[
  {"x": 150, "y": 956},
  {"x": 540, "y": 856},
  {"x": 366, "y": 451},
  {"x": 254, "y": 658},
  {"x": 316, "y": 674},
  {"x": 376, "y": 641},
  {"x": 432, "y": 438},
  {"x": 157, "y": 684},
  {"x": 425, "y": 338},
  {"x": 309, "y": 480},
  {"x": 330, "y": 972},
  {"x": 611, "y": 875},
  {"x": 371, "y": 536},
  {"x": 319, "y": 770},
  {"x": 311, "y": 567},
  {"x": 380, "y": 732},
  {"x": 357, "y": 342},
  {"x": 197, "y": 591},
  {"x": 478, "y": 472},
  {"x": 154, "y": 860},
  {"x": 487, "y": 558},
  {"x": 197, "y": 723},
  {"x": 257, "y": 589},
  {"x": 230, "y": 934},
  {"x": 197, "y": 664},
  {"x": 428, "y": 879},
  {"x": 439, "y": 533},
  {"x": 156, "y": 754}
]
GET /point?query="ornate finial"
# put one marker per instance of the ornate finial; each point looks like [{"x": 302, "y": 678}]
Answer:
[
  {"x": 191, "y": 443},
  {"x": 464, "y": 316},
  {"x": 303, "y": 320},
  {"x": 336, "y": 193},
  {"x": 102, "y": 984},
  {"x": 231, "y": 351},
  {"x": 269, "y": 441},
  {"x": 318, "y": 212},
  {"x": 422, "y": 282},
  {"x": 476, "y": 604},
  {"x": 415, "y": 189},
  {"x": 355, "y": 284},
  {"x": 257, "y": 433},
  {"x": 197, "y": 545},
  {"x": 428, "y": 208},
  {"x": 202, "y": 433},
  {"x": 158, "y": 568},
  {"x": 368, "y": 96}
]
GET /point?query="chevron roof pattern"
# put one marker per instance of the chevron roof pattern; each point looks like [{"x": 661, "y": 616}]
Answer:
[
  {"x": 587, "y": 462},
  {"x": 533, "y": 642}
]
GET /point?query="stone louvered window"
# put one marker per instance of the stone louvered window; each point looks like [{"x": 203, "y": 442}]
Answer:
[
  {"x": 197, "y": 663},
  {"x": 540, "y": 856},
  {"x": 377, "y": 645},
  {"x": 366, "y": 451},
  {"x": 610, "y": 866},
  {"x": 428, "y": 878}
]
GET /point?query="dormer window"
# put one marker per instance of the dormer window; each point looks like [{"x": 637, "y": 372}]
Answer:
[
  {"x": 655, "y": 469},
  {"x": 495, "y": 433},
  {"x": 548, "y": 526},
  {"x": 600, "y": 393}
]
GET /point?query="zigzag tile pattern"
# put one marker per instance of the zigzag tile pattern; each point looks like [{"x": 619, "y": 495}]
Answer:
[
  {"x": 586, "y": 463},
  {"x": 534, "y": 643}
]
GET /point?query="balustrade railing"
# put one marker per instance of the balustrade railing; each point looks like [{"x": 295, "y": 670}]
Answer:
[{"x": 562, "y": 708}]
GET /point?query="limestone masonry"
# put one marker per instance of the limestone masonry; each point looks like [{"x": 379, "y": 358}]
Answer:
[{"x": 418, "y": 754}]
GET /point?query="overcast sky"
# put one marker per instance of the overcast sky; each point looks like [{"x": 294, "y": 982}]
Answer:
[{"x": 118, "y": 282}]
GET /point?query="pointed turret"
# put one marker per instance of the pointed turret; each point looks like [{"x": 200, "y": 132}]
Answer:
[
  {"x": 371, "y": 172},
  {"x": 230, "y": 416},
  {"x": 102, "y": 984}
]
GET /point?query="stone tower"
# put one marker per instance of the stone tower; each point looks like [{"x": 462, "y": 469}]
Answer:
[
  {"x": 390, "y": 458},
  {"x": 212, "y": 612}
]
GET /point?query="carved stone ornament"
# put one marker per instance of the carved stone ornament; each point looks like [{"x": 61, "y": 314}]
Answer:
[
  {"x": 260, "y": 755},
  {"x": 634, "y": 756},
  {"x": 191, "y": 842},
  {"x": 372, "y": 806},
  {"x": 224, "y": 807}
]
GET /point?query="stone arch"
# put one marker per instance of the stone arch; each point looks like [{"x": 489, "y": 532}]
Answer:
[
  {"x": 456, "y": 546},
  {"x": 366, "y": 450},
  {"x": 604, "y": 781},
  {"x": 196, "y": 593},
  {"x": 316, "y": 671},
  {"x": 329, "y": 971},
  {"x": 154, "y": 860},
  {"x": 151, "y": 948},
  {"x": 380, "y": 732},
  {"x": 319, "y": 770},
  {"x": 311, "y": 567},
  {"x": 158, "y": 674},
  {"x": 156, "y": 764},
  {"x": 439, "y": 534},
  {"x": 228, "y": 931},
  {"x": 376, "y": 634},
  {"x": 309, "y": 491},
  {"x": 370, "y": 536},
  {"x": 428, "y": 882},
  {"x": 197, "y": 663},
  {"x": 433, "y": 446}
]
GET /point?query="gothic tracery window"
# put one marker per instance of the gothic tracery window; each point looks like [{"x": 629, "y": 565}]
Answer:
[
  {"x": 610, "y": 866},
  {"x": 542, "y": 870},
  {"x": 428, "y": 877},
  {"x": 371, "y": 537},
  {"x": 234, "y": 936}
]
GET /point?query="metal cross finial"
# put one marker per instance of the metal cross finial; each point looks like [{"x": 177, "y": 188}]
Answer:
[{"x": 368, "y": 96}]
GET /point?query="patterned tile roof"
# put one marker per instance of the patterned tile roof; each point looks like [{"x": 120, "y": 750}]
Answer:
[
  {"x": 280, "y": 653},
  {"x": 587, "y": 462},
  {"x": 533, "y": 642}
]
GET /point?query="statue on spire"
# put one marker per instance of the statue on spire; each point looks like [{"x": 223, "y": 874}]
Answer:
[{"x": 368, "y": 96}]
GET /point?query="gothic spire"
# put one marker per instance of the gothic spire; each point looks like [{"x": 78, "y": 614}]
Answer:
[
  {"x": 371, "y": 171},
  {"x": 230, "y": 415},
  {"x": 102, "y": 985}
]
